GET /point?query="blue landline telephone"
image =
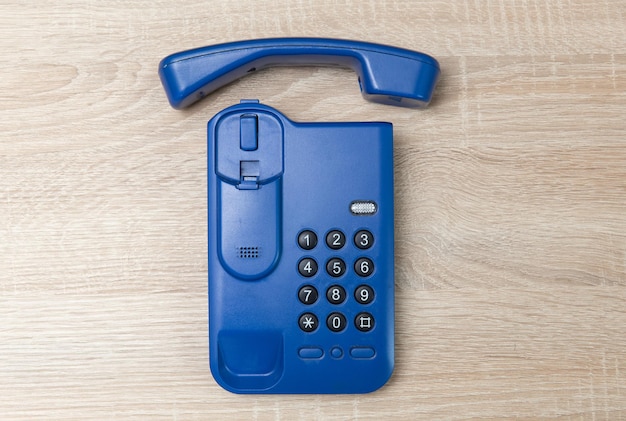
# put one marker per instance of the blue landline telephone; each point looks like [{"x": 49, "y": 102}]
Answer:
[{"x": 300, "y": 220}]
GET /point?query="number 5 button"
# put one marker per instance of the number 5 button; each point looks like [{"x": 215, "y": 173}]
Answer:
[{"x": 335, "y": 267}]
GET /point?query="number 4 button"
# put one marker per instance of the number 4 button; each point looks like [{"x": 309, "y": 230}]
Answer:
[{"x": 307, "y": 267}]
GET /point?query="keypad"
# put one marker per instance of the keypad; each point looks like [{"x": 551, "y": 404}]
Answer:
[{"x": 343, "y": 289}]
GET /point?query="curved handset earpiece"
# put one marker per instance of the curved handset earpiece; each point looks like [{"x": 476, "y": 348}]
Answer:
[{"x": 387, "y": 75}]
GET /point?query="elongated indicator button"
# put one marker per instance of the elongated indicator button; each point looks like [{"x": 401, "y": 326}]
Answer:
[{"x": 249, "y": 132}]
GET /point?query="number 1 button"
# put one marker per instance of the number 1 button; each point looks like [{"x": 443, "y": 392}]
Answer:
[{"x": 307, "y": 240}]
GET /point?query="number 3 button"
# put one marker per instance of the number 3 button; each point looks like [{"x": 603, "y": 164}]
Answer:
[{"x": 363, "y": 239}]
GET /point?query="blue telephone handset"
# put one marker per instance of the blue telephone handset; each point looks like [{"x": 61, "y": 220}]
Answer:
[
  {"x": 300, "y": 221},
  {"x": 388, "y": 75}
]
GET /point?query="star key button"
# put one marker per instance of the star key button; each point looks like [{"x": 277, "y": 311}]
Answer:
[{"x": 308, "y": 322}]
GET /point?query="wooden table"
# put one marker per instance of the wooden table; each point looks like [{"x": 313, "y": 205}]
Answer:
[{"x": 510, "y": 196}]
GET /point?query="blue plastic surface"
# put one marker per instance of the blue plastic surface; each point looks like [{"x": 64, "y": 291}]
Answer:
[
  {"x": 269, "y": 179},
  {"x": 387, "y": 75}
]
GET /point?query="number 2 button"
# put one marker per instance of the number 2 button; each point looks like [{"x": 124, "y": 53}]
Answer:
[{"x": 335, "y": 239}]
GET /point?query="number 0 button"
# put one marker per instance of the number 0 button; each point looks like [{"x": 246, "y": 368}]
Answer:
[
  {"x": 336, "y": 322},
  {"x": 307, "y": 267},
  {"x": 363, "y": 239},
  {"x": 364, "y": 267}
]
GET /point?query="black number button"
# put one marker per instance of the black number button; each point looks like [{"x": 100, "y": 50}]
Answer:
[
  {"x": 364, "y": 267},
  {"x": 335, "y": 239},
  {"x": 335, "y": 267},
  {"x": 363, "y": 239},
  {"x": 336, "y": 322},
  {"x": 336, "y": 294},
  {"x": 364, "y": 322},
  {"x": 307, "y": 294},
  {"x": 364, "y": 294},
  {"x": 308, "y": 322},
  {"x": 307, "y": 267},
  {"x": 307, "y": 240}
]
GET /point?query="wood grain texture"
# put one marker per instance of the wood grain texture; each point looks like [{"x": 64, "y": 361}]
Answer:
[{"x": 510, "y": 197}]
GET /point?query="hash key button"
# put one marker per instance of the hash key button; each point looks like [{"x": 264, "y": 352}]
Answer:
[{"x": 364, "y": 322}]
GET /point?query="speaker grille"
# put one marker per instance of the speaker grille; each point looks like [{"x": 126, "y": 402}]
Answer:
[{"x": 248, "y": 252}]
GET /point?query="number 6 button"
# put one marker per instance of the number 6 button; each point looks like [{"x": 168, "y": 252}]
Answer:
[{"x": 364, "y": 267}]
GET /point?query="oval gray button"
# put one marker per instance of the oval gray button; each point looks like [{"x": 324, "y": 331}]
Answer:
[{"x": 310, "y": 352}]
